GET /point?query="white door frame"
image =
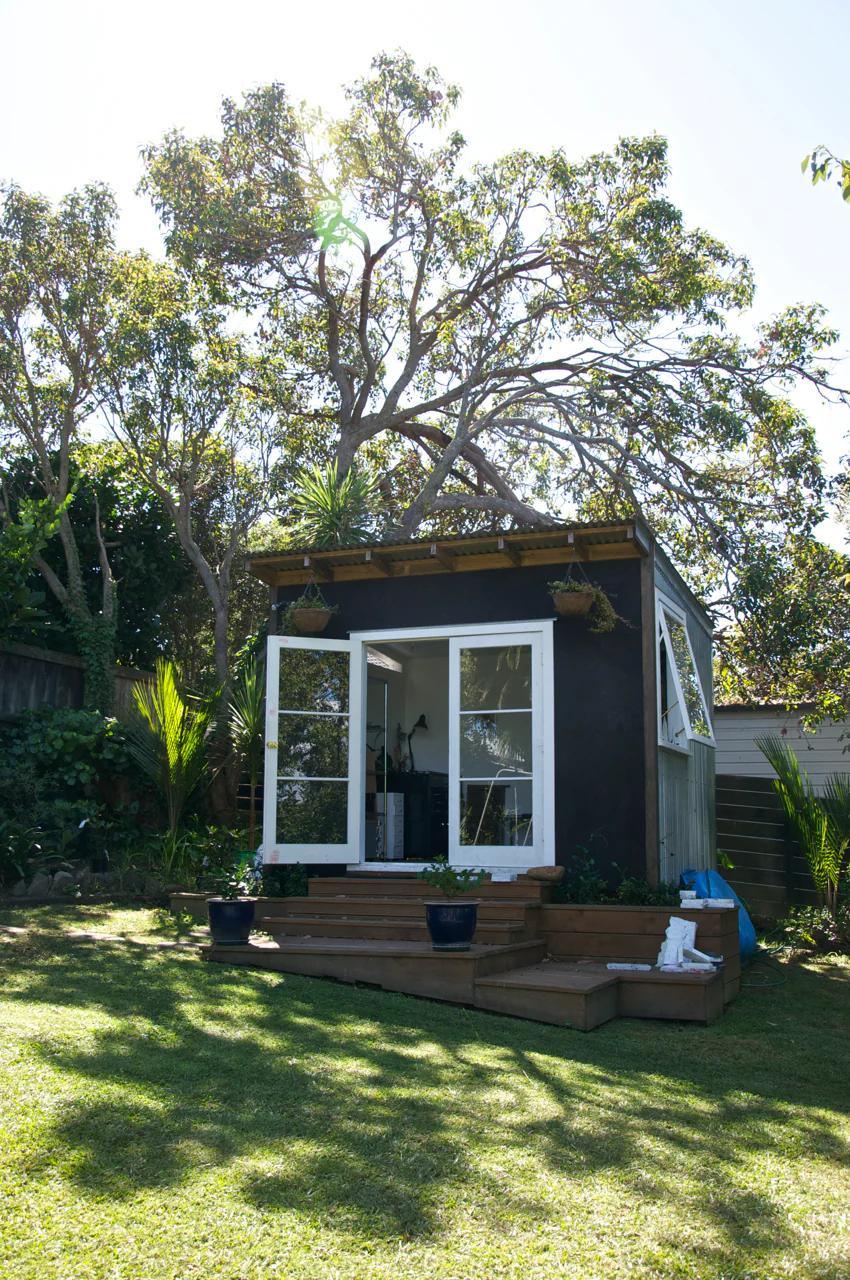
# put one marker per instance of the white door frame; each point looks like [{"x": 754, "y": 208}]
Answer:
[
  {"x": 542, "y": 630},
  {"x": 313, "y": 853}
]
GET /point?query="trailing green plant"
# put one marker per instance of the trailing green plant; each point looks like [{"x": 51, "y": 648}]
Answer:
[
  {"x": 18, "y": 844},
  {"x": 821, "y": 823},
  {"x": 601, "y": 616},
  {"x": 246, "y": 714},
  {"x": 168, "y": 741},
  {"x": 334, "y": 510},
  {"x": 452, "y": 881}
]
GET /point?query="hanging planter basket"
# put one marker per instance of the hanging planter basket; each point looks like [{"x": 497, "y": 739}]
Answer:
[
  {"x": 573, "y": 604},
  {"x": 310, "y": 622}
]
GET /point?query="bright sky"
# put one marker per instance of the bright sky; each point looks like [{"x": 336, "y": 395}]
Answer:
[{"x": 742, "y": 90}]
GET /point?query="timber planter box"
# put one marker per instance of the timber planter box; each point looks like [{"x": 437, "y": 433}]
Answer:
[{"x": 608, "y": 932}]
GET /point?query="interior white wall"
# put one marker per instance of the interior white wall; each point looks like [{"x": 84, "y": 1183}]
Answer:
[{"x": 427, "y": 691}]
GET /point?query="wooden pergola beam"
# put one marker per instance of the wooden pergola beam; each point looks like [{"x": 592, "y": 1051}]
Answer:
[
  {"x": 442, "y": 557},
  {"x": 512, "y": 553},
  {"x": 379, "y": 562},
  {"x": 323, "y": 572}
]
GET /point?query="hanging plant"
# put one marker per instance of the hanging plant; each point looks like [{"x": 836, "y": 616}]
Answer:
[
  {"x": 574, "y": 599},
  {"x": 310, "y": 614}
]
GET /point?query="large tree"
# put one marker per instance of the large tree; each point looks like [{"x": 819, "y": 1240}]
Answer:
[
  {"x": 57, "y": 277},
  {"x": 524, "y": 338}
]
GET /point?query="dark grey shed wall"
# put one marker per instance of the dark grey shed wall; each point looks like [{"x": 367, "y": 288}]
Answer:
[{"x": 599, "y": 723}]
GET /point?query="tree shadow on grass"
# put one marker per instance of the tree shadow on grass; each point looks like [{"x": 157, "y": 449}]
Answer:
[{"x": 371, "y": 1111}]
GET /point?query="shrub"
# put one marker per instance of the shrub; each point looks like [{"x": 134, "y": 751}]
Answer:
[
  {"x": 285, "y": 882},
  {"x": 583, "y": 882},
  {"x": 817, "y": 929}
]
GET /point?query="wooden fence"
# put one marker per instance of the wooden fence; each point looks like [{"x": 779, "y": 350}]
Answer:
[
  {"x": 769, "y": 872},
  {"x": 32, "y": 678}
]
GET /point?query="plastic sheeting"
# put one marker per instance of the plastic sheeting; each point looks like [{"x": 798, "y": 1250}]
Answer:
[{"x": 710, "y": 884}]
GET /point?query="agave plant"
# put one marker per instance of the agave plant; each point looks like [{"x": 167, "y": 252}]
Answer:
[
  {"x": 334, "y": 510},
  {"x": 821, "y": 823},
  {"x": 247, "y": 732},
  {"x": 167, "y": 739}
]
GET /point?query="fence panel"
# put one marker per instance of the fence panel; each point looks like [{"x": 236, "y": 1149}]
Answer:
[
  {"x": 31, "y": 678},
  {"x": 769, "y": 872}
]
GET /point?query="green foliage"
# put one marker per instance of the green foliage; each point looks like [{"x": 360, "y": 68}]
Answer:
[
  {"x": 74, "y": 750},
  {"x": 168, "y": 740},
  {"x": 23, "y": 537},
  {"x": 452, "y": 881},
  {"x": 816, "y": 929},
  {"x": 247, "y": 719},
  {"x": 583, "y": 882},
  {"x": 334, "y": 509},
  {"x": 238, "y": 879},
  {"x": 791, "y": 639},
  {"x": 820, "y": 823},
  {"x": 822, "y": 165},
  {"x": 290, "y": 881}
]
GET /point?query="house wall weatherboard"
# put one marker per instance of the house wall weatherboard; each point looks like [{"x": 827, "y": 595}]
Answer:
[
  {"x": 599, "y": 744},
  {"x": 820, "y": 753}
]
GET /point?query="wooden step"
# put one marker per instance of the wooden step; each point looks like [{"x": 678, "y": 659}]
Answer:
[
  {"x": 410, "y": 886},
  {"x": 403, "y": 928},
  {"x": 551, "y": 992},
  {"x": 411, "y": 967},
  {"x": 504, "y": 911}
]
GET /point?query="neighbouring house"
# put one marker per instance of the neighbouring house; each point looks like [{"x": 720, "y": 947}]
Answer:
[
  {"x": 821, "y": 751},
  {"x": 447, "y": 710}
]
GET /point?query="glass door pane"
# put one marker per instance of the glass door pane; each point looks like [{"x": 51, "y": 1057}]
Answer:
[
  {"x": 495, "y": 780},
  {"x": 309, "y": 766}
]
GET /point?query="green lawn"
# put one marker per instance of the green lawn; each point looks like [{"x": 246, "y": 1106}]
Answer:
[{"x": 163, "y": 1118}]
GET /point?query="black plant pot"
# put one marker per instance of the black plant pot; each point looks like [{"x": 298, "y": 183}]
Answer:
[
  {"x": 451, "y": 924},
  {"x": 231, "y": 920}
]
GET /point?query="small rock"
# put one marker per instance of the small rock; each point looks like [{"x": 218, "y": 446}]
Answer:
[
  {"x": 63, "y": 882},
  {"x": 133, "y": 882},
  {"x": 40, "y": 885},
  {"x": 19, "y": 890},
  {"x": 83, "y": 878}
]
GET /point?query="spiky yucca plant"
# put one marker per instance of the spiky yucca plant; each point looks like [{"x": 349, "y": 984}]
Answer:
[
  {"x": 167, "y": 739},
  {"x": 820, "y": 823},
  {"x": 247, "y": 732},
  {"x": 334, "y": 510}
]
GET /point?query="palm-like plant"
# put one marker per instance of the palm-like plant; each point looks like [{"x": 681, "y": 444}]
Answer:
[
  {"x": 167, "y": 739},
  {"x": 247, "y": 724},
  {"x": 820, "y": 823},
  {"x": 334, "y": 510}
]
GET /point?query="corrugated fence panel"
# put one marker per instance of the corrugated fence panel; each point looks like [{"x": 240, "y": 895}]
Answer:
[
  {"x": 686, "y": 810},
  {"x": 31, "y": 678},
  {"x": 769, "y": 872}
]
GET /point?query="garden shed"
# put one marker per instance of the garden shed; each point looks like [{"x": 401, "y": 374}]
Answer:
[{"x": 447, "y": 709}]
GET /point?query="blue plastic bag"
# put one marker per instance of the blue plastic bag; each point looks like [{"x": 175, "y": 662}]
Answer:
[{"x": 709, "y": 884}]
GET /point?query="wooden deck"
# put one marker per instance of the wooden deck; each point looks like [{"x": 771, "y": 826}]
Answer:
[{"x": 531, "y": 960}]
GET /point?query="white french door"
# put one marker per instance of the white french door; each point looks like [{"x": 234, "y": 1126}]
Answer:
[
  {"x": 313, "y": 750},
  {"x": 496, "y": 755}
]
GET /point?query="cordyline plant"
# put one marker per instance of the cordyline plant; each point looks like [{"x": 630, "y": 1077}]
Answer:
[
  {"x": 821, "y": 823},
  {"x": 168, "y": 739},
  {"x": 512, "y": 341}
]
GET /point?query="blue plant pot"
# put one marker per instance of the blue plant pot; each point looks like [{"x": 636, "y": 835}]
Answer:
[
  {"x": 231, "y": 920},
  {"x": 451, "y": 924}
]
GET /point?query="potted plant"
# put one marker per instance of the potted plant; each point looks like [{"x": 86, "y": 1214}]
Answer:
[
  {"x": 231, "y": 912},
  {"x": 310, "y": 613},
  {"x": 574, "y": 599},
  {"x": 451, "y": 924}
]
